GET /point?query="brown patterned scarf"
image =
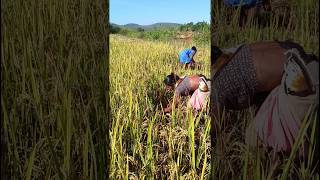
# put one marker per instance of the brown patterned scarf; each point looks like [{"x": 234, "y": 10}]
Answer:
[{"x": 235, "y": 84}]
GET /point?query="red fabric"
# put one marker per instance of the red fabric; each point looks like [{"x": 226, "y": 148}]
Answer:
[
  {"x": 278, "y": 120},
  {"x": 198, "y": 99}
]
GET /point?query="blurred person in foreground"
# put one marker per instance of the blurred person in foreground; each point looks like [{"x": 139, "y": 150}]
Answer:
[
  {"x": 284, "y": 72},
  {"x": 279, "y": 119}
]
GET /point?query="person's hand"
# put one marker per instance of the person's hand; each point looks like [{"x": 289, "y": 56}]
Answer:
[
  {"x": 167, "y": 110},
  {"x": 192, "y": 64}
]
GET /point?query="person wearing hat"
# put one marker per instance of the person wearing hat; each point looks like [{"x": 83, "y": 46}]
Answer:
[
  {"x": 186, "y": 57},
  {"x": 200, "y": 97},
  {"x": 182, "y": 86},
  {"x": 279, "y": 119}
]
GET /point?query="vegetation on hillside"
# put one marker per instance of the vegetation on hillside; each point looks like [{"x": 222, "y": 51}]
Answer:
[{"x": 200, "y": 32}]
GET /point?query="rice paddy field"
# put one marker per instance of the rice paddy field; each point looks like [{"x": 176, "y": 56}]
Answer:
[{"x": 146, "y": 143}]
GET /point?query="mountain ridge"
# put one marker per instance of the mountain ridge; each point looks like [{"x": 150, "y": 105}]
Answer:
[{"x": 150, "y": 26}]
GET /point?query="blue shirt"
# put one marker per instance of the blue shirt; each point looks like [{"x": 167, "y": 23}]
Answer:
[
  {"x": 186, "y": 55},
  {"x": 235, "y": 3}
]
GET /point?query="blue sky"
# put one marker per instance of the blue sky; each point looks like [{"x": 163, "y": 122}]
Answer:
[{"x": 147, "y": 12}]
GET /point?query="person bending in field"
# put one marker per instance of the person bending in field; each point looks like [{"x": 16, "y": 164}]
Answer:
[
  {"x": 200, "y": 98},
  {"x": 247, "y": 72},
  {"x": 182, "y": 86},
  {"x": 282, "y": 68},
  {"x": 186, "y": 57},
  {"x": 280, "y": 118}
]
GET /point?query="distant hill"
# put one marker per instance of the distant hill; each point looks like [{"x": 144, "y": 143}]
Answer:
[
  {"x": 132, "y": 25},
  {"x": 146, "y": 27}
]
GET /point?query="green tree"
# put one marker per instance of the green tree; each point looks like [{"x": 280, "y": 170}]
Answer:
[
  {"x": 140, "y": 29},
  {"x": 114, "y": 29}
]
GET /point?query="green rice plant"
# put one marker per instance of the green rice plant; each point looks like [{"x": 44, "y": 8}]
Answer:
[
  {"x": 192, "y": 141},
  {"x": 300, "y": 139},
  {"x": 53, "y": 84},
  {"x": 30, "y": 164}
]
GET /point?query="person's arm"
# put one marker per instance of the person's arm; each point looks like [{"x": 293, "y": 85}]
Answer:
[
  {"x": 182, "y": 89},
  {"x": 186, "y": 66},
  {"x": 175, "y": 102},
  {"x": 177, "y": 96},
  {"x": 192, "y": 57}
]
